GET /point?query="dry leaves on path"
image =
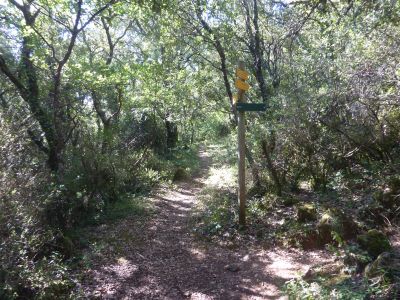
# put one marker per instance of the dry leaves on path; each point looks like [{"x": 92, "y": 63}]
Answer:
[{"x": 168, "y": 262}]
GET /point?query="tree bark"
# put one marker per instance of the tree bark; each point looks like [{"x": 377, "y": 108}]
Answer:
[{"x": 271, "y": 168}]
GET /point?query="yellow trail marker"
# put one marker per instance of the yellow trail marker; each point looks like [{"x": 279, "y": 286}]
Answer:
[
  {"x": 242, "y": 74},
  {"x": 241, "y": 85}
]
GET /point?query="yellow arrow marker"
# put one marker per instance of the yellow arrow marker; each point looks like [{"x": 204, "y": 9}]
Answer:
[
  {"x": 241, "y": 85},
  {"x": 242, "y": 74}
]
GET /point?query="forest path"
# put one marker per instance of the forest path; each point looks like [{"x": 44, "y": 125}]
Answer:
[{"x": 161, "y": 259}]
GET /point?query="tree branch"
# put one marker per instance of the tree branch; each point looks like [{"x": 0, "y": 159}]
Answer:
[{"x": 6, "y": 71}]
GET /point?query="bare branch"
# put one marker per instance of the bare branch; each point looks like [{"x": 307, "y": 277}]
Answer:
[
  {"x": 96, "y": 14},
  {"x": 46, "y": 12},
  {"x": 53, "y": 51}
]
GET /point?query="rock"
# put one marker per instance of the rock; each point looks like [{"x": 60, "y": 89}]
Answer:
[
  {"x": 374, "y": 242},
  {"x": 232, "y": 268},
  {"x": 310, "y": 240},
  {"x": 336, "y": 221},
  {"x": 330, "y": 271},
  {"x": 306, "y": 212},
  {"x": 180, "y": 174},
  {"x": 386, "y": 264},
  {"x": 325, "y": 227},
  {"x": 309, "y": 274}
]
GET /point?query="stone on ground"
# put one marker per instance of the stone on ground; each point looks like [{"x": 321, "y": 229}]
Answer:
[{"x": 306, "y": 212}]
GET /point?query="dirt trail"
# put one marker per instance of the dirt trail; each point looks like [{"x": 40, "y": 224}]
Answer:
[{"x": 163, "y": 260}]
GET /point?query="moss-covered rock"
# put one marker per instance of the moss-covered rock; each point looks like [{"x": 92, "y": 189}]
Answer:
[
  {"x": 180, "y": 174},
  {"x": 325, "y": 227},
  {"x": 386, "y": 264},
  {"x": 374, "y": 242},
  {"x": 335, "y": 221},
  {"x": 309, "y": 239},
  {"x": 306, "y": 212},
  {"x": 332, "y": 273}
]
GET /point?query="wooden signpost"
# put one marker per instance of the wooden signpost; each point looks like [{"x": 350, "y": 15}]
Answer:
[{"x": 241, "y": 107}]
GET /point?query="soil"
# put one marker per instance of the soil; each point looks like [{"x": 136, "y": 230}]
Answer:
[{"x": 162, "y": 259}]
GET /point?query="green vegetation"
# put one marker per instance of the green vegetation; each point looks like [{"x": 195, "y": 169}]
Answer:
[
  {"x": 103, "y": 100},
  {"x": 300, "y": 289},
  {"x": 374, "y": 242}
]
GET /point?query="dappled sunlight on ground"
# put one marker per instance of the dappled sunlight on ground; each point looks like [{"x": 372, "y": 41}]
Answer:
[
  {"x": 223, "y": 177},
  {"x": 170, "y": 263}
]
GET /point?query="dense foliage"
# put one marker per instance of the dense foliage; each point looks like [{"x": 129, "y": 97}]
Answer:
[{"x": 99, "y": 98}]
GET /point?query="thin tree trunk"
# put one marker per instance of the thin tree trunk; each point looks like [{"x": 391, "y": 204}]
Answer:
[
  {"x": 271, "y": 167},
  {"x": 223, "y": 68},
  {"x": 256, "y": 50}
]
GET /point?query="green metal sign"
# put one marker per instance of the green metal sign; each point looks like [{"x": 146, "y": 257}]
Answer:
[{"x": 251, "y": 106}]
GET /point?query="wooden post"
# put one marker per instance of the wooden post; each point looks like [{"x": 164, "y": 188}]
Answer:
[
  {"x": 241, "y": 156},
  {"x": 241, "y": 107}
]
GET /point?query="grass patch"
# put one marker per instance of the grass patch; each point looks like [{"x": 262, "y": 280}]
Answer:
[
  {"x": 215, "y": 213},
  {"x": 323, "y": 289},
  {"x": 225, "y": 152},
  {"x": 185, "y": 158},
  {"x": 128, "y": 206},
  {"x": 223, "y": 177}
]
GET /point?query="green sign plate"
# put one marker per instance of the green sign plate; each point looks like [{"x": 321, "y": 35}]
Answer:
[{"x": 251, "y": 106}]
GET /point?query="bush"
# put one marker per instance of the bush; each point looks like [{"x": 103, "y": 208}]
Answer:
[
  {"x": 374, "y": 242},
  {"x": 32, "y": 252},
  {"x": 216, "y": 211},
  {"x": 299, "y": 289}
]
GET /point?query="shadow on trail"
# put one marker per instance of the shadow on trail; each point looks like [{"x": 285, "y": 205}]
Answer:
[{"x": 169, "y": 263}]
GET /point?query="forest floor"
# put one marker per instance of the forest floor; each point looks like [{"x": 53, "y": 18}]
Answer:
[{"x": 162, "y": 258}]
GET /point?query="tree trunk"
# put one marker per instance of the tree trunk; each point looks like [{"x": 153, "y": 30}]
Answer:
[
  {"x": 172, "y": 134},
  {"x": 256, "y": 50},
  {"x": 271, "y": 168}
]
